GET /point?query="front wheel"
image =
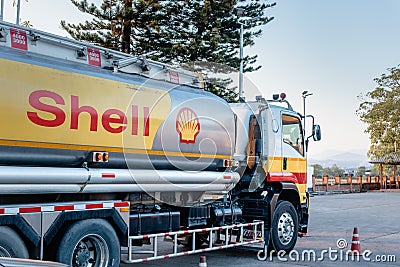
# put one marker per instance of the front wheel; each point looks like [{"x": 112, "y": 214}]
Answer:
[
  {"x": 89, "y": 243},
  {"x": 284, "y": 227}
]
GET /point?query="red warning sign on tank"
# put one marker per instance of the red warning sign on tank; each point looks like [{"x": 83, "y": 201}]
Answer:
[
  {"x": 94, "y": 57},
  {"x": 173, "y": 77},
  {"x": 18, "y": 39}
]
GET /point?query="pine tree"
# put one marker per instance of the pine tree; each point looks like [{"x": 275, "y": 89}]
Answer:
[{"x": 181, "y": 32}]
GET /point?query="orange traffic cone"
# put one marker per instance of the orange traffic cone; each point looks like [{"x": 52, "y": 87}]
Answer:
[
  {"x": 355, "y": 242},
  {"x": 203, "y": 261}
]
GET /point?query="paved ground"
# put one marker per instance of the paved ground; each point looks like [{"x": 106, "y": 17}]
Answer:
[{"x": 333, "y": 217}]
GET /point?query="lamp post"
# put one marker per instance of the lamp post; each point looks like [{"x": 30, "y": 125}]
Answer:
[
  {"x": 2, "y": 10},
  {"x": 240, "y": 14},
  {"x": 18, "y": 10},
  {"x": 241, "y": 63},
  {"x": 305, "y": 94}
]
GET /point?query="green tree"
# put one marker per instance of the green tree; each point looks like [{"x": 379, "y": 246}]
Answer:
[
  {"x": 318, "y": 170},
  {"x": 221, "y": 87},
  {"x": 332, "y": 171},
  {"x": 111, "y": 26},
  {"x": 176, "y": 32},
  {"x": 361, "y": 171},
  {"x": 380, "y": 111}
]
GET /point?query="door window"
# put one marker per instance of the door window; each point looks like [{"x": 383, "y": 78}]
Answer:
[{"x": 292, "y": 133}]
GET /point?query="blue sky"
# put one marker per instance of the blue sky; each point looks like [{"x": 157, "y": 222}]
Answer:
[{"x": 333, "y": 49}]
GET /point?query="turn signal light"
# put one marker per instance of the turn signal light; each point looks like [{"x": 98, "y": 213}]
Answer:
[
  {"x": 100, "y": 157},
  {"x": 230, "y": 163}
]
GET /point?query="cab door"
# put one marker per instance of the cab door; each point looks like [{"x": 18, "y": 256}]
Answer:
[
  {"x": 292, "y": 137},
  {"x": 294, "y": 164}
]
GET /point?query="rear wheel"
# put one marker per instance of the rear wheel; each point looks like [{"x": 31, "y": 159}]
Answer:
[
  {"x": 11, "y": 244},
  {"x": 285, "y": 227},
  {"x": 90, "y": 243}
]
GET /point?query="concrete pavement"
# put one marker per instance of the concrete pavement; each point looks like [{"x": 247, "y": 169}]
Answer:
[{"x": 333, "y": 217}]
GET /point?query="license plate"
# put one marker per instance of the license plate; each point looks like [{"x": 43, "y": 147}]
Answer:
[{"x": 249, "y": 234}]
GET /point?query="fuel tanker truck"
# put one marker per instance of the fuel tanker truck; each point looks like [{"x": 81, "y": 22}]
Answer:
[{"x": 102, "y": 154}]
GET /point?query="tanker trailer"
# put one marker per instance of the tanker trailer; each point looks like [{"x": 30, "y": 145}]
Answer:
[
  {"x": 101, "y": 150},
  {"x": 91, "y": 136}
]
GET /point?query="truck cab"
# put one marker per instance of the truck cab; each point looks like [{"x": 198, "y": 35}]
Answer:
[{"x": 271, "y": 150}]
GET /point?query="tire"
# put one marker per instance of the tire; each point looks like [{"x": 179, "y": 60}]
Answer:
[
  {"x": 89, "y": 243},
  {"x": 11, "y": 244},
  {"x": 285, "y": 227}
]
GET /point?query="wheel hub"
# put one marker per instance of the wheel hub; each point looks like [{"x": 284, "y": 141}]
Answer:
[
  {"x": 91, "y": 251},
  {"x": 285, "y": 228},
  {"x": 82, "y": 256}
]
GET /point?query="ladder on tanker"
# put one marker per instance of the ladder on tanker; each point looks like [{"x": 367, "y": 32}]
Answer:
[
  {"x": 246, "y": 234},
  {"x": 47, "y": 44}
]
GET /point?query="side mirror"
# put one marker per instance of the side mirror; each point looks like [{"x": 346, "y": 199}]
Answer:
[{"x": 316, "y": 132}]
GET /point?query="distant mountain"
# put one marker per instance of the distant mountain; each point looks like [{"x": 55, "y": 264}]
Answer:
[{"x": 346, "y": 160}]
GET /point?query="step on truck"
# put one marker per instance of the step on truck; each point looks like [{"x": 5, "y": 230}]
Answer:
[{"x": 103, "y": 153}]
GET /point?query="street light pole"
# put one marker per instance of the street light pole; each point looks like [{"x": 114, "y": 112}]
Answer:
[
  {"x": 304, "y": 95},
  {"x": 241, "y": 63},
  {"x": 18, "y": 11},
  {"x": 240, "y": 14},
  {"x": 2, "y": 10}
]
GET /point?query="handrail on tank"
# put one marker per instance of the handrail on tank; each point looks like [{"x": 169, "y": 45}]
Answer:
[{"x": 119, "y": 58}]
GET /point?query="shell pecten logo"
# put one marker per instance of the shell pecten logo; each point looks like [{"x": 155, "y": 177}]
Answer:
[{"x": 187, "y": 125}]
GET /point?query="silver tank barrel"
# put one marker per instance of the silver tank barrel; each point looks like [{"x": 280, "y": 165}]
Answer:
[
  {"x": 28, "y": 180},
  {"x": 151, "y": 188},
  {"x": 123, "y": 176},
  {"x": 142, "y": 123},
  {"x": 39, "y": 188},
  {"x": 42, "y": 175}
]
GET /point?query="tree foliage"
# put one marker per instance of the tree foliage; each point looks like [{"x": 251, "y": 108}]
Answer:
[
  {"x": 333, "y": 171},
  {"x": 361, "y": 170},
  {"x": 175, "y": 32},
  {"x": 380, "y": 111},
  {"x": 110, "y": 27},
  {"x": 318, "y": 170}
]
